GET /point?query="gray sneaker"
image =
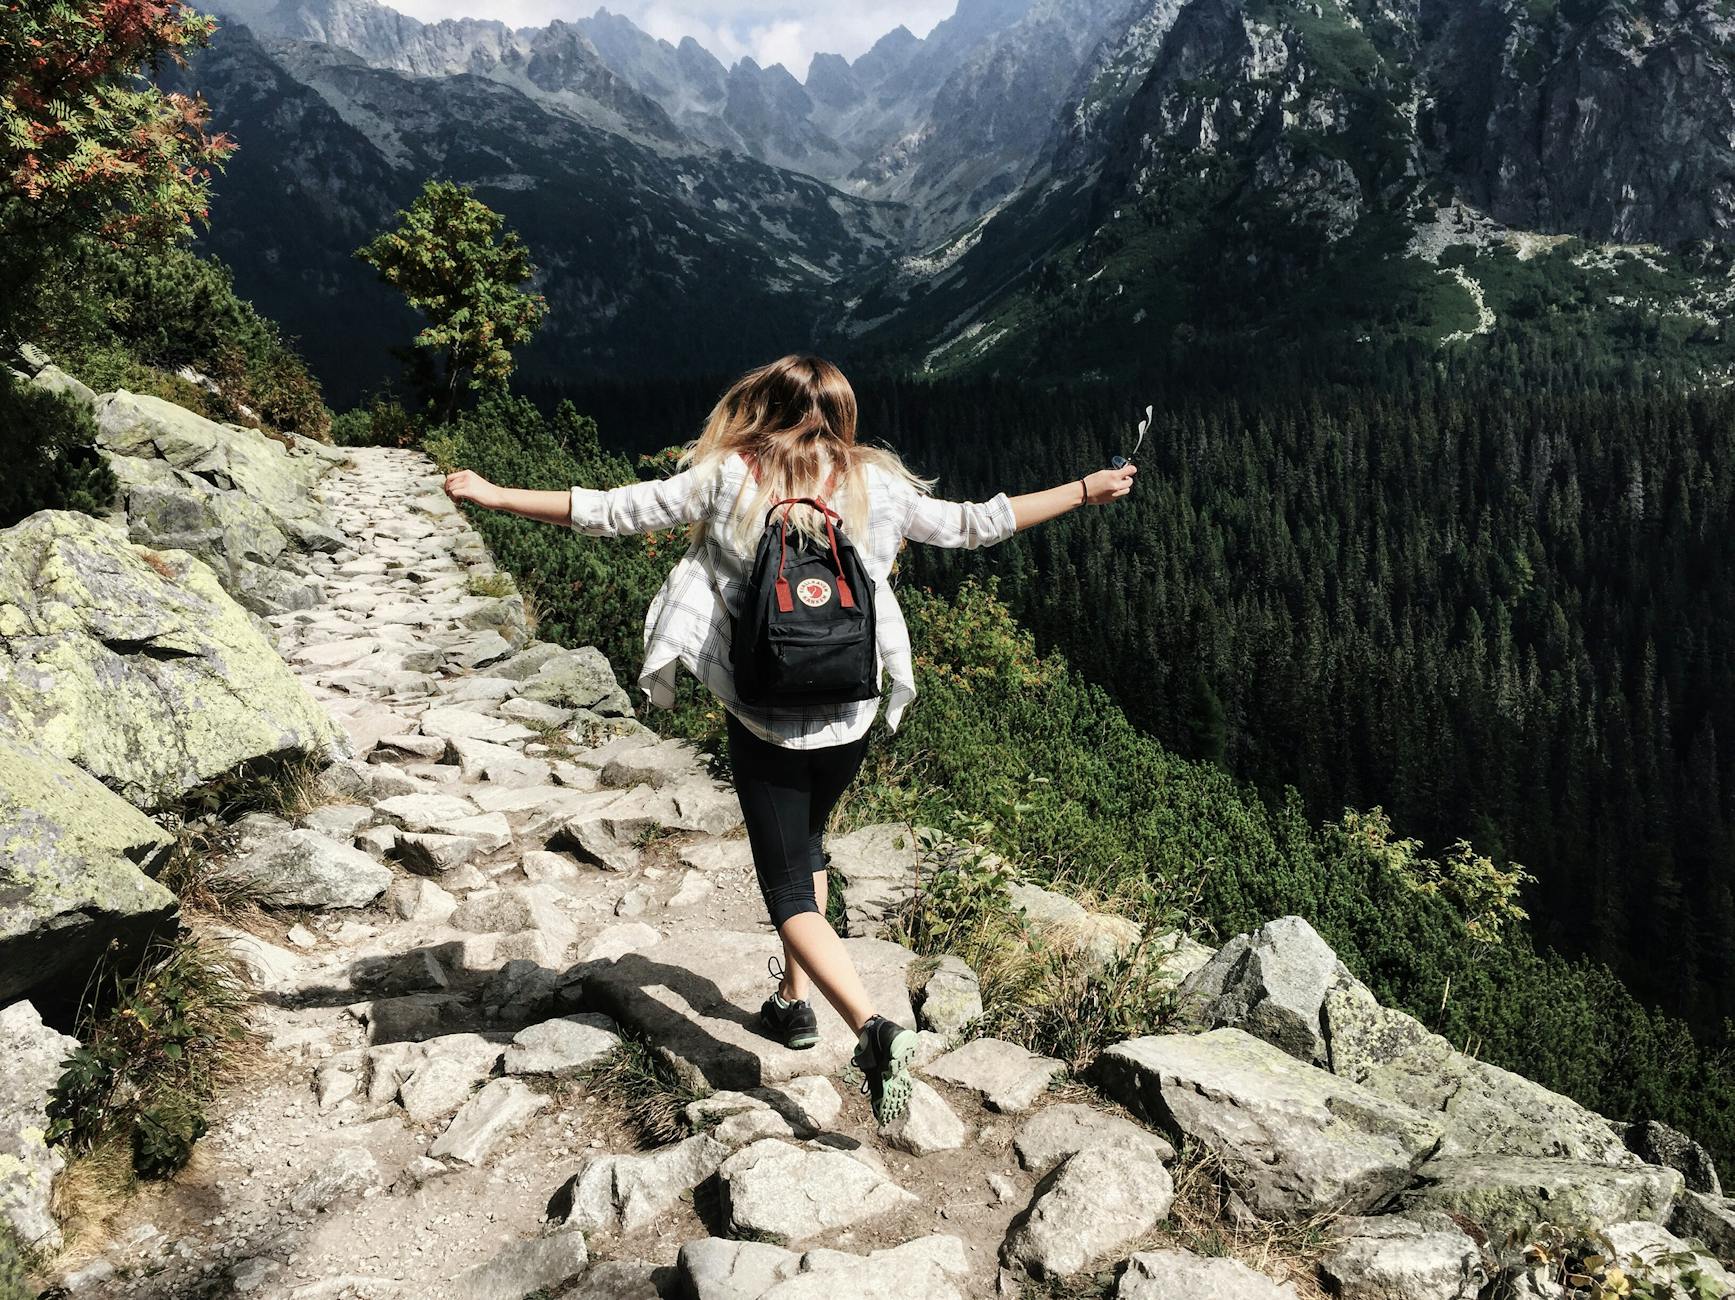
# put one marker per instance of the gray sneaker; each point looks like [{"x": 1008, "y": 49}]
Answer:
[{"x": 791, "y": 1023}]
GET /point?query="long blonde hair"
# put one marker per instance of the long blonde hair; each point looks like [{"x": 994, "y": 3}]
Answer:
[{"x": 794, "y": 421}]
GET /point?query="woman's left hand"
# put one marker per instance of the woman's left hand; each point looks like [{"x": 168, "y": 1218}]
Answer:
[
  {"x": 468, "y": 485},
  {"x": 1108, "y": 485}
]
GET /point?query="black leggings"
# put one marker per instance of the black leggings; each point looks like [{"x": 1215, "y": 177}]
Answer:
[{"x": 786, "y": 796}]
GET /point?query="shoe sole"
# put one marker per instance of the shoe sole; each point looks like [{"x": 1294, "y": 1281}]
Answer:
[{"x": 895, "y": 1083}]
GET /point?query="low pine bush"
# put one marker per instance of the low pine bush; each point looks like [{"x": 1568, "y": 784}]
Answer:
[{"x": 46, "y": 444}]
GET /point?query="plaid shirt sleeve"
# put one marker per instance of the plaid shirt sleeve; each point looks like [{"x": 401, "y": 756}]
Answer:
[
  {"x": 647, "y": 507},
  {"x": 966, "y": 524}
]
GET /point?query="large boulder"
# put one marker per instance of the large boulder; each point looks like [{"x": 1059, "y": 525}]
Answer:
[
  {"x": 1284, "y": 984},
  {"x": 1657, "y": 1144},
  {"x": 276, "y": 476},
  {"x": 1295, "y": 1140},
  {"x": 1708, "y": 1219},
  {"x": 71, "y": 853},
  {"x": 880, "y": 866},
  {"x": 1508, "y": 1196},
  {"x": 696, "y": 997},
  {"x": 1270, "y": 983},
  {"x": 136, "y": 665},
  {"x": 1485, "y": 1110},
  {"x": 35, "y": 1057}
]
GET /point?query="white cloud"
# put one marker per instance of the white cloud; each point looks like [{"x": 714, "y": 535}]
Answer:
[{"x": 768, "y": 31}]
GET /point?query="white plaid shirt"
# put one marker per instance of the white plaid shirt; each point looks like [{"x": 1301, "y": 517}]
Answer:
[{"x": 691, "y": 619}]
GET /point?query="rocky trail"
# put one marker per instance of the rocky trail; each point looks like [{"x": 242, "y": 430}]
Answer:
[
  {"x": 507, "y": 871},
  {"x": 508, "y": 884}
]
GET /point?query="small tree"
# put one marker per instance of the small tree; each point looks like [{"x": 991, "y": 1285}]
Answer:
[
  {"x": 460, "y": 268},
  {"x": 87, "y": 144}
]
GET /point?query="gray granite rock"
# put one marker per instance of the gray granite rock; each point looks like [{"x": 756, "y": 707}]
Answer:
[
  {"x": 949, "y": 999},
  {"x": 348, "y": 1171},
  {"x": 1182, "y": 1275},
  {"x": 301, "y": 868},
  {"x": 563, "y": 1047},
  {"x": 1507, "y": 1196},
  {"x": 486, "y": 1120},
  {"x": 1094, "y": 1204},
  {"x": 1056, "y": 1132},
  {"x": 779, "y": 1192},
  {"x": 927, "y": 1124},
  {"x": 34, "y": 1055},
  {"x": 541, "y": 1264},
  {"x": 1399, "y": 1258},
  {"x": 1296, "y": 1141},
  {"x": 1008, "y": 1077},
  {"x": 624, "y": 1192}
]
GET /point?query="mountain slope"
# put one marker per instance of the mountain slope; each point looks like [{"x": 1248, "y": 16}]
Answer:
[
  {"x": 650, "y": 262},
  {"x": 1296, "y": 171}
]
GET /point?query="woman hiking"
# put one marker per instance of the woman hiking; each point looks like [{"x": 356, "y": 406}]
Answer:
[{"x": 786, "y": 432}]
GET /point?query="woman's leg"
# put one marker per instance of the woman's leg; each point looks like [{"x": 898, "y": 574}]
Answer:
[
  {"x": 775, "y": 787},
  {"x": 831, "y": 770}
]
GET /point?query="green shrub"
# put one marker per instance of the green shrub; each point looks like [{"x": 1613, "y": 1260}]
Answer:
[
  {"x": 156, "y": 1040},
  {"x": 131, "y": 317},
  {"x": 14, "y": 1266},
  {"x": 383, "y": 422},
  {"x": 46, "y": 445}
]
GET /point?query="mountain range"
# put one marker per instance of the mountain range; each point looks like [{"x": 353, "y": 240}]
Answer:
[{"x": 1069, "y": 185}]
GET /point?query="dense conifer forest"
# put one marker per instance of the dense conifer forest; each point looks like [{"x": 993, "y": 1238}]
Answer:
[{"x": 1492, "y": 599}]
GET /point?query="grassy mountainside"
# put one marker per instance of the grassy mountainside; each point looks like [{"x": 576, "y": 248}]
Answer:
[{"x": 1069, "y": 788}]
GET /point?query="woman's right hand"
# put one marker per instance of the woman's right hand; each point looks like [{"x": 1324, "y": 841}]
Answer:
[{"x": 468, "y": 485}]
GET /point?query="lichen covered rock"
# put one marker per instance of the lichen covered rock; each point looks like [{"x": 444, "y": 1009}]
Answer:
[
  {"x": 70, "y": 879},
  {"x": 34, "y": 1054},
  {"x": 136, "y": 665}
]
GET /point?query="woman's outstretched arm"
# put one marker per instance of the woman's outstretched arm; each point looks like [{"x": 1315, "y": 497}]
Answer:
[
  {"x": 645, "y": 507},
  {"x": 545, "y": 507},
  {"x": 1096, "y": 489}
]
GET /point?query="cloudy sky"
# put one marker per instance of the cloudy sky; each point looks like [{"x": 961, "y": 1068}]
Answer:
[{"x": 770, "y": 31}]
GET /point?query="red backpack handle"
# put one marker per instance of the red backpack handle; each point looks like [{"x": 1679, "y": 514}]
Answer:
[{"x": 785, "y": 603}]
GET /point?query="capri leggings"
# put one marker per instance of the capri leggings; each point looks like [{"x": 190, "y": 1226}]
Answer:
[{"x": 786, "y": 796}]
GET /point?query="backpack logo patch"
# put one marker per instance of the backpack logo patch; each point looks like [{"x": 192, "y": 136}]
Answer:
[{"x": 813, "y": 592}]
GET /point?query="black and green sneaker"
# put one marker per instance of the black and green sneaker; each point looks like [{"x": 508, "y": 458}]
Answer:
[
  {"x": 882, "y": 1054},
  {"x": 791, "y": 1023}
]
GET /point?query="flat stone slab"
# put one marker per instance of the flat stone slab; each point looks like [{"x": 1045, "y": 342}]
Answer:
[
  {"x": 563, "y": 1046},
  {"x": 1182, "y": 1275},
  {"x": 486, "y": 1120},
  {"x": 775, "y": 1191},
  {"x": 1295, "y": 1140},
  {"x": 1008, "y": 1077},
  {"x": 696, "y": 997},
  {"x": 624, "y": 1192},
  {"x": 716, "y": 1268},
  {"x": 1509, "y": 1195},
  {"x": 1056, "y": 1132}
]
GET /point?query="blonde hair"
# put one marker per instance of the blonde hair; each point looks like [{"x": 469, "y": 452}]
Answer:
[{"x": 794, "y": 421}]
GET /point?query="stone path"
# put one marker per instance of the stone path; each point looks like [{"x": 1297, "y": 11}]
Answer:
[{"x": 508, "y": 868}]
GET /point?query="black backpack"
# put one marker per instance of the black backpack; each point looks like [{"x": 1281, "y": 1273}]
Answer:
[{"x": 805, "y": 630}]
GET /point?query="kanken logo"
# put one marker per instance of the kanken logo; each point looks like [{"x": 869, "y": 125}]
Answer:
[{"x": 813, "y": 592}]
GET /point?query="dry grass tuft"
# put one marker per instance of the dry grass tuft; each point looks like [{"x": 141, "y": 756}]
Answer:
[
  {"x": 1201, "y": 1221},
  {"x": 646, "y": 1090},
  {"x": 165, "y": 570}
]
